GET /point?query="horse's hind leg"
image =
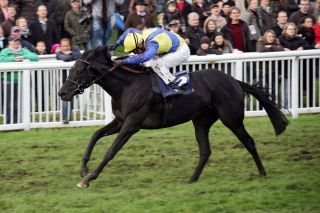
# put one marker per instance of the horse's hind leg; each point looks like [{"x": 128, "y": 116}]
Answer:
[
  {"x": 202, "y": 126},
  {"x": 112, "y": 128},
  {"x": 248, "y": 142}
]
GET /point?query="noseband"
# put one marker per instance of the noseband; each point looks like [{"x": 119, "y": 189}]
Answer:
[{"x": 85, "y": 82}]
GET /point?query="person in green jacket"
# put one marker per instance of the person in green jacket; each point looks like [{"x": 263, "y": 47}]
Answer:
[{"x": 13, "y": 53}]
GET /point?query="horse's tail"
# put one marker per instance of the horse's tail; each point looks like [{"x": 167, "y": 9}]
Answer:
[{"x": 277, "y": 118}]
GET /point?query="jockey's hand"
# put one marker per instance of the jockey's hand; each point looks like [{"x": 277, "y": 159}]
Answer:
[
  {"x": 118, "y": 63},
  {"x": 113, "y": 47}
]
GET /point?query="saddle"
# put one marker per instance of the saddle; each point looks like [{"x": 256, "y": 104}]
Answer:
[{"x": 182, "y": 79}]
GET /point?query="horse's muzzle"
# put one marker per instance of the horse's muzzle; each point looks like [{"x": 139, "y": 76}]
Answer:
[{"x": 65, "y": 96}]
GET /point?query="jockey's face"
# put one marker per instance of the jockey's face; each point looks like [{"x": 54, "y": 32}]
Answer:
[{"x": 140, "y": 49}]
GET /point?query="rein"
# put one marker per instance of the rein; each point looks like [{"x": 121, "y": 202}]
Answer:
[{"x": 86, "y": 83}]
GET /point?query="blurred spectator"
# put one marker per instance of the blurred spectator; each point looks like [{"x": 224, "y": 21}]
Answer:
[
  {"x": 216, "y": 16},
  {"x": 28, "y": 9},
  {"x": 181, "y": 31},
  {"x": 78, "y": 29},
  {"x": 253, "y": 21},
  {"x": 226, "y": 10},
  {"x": 290, "y": 39},
  {"x": 184, "y": 8},
  {"x": 231, "y": 3},
  {"x": 3, "y": 10},
  {"x": 43, "y": 29},
  {"x": 13, "y": 53},
  {"x": 24, "y": 42},
  {"x": 265, "y": 14},
  {"x": 193, "y": 33},
  {"x": 41, "y": 48},
  {"x": 60, "y": 9},
  {"x": 123, "y": 9},
  {"x": 151, "y": 7},
  {"x": 51, "y": 7},
  {"x": 172, "y": 13},
  {"x": 210, "y": 28},
  {"x": 316, "y": 9},
  {"x": 242, "y": 5},
  {"x": 304, "y": 11},
  {"x": 316, "y": 28},
  {"x": 174, "y": 27},
  {"x": 205, "y": 47},
  {"x": 282, "y": 19},
  {"x": 306, "y": 31},
  {"x": 222, "y": 44},
  {"x": 160, "y": 20},
  {"x": 269, "y": 42},
  {"x": 55, "y": 48},
  {"x": 202, "y": 8},
  {"x": 102, "y": 12},
  {"x": 66, "y": 53},
  {"x": 10, "y": 21},
  {"x": 237, "y": 32},
  {"x": 139, "y": 16},
  {"x": 3, "y": 40},
  {"x": 22, "y": 23},
  {"x": 290, "y": 6}
]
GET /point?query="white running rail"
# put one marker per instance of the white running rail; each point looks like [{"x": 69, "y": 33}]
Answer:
[{"x": 28, "y": 90}]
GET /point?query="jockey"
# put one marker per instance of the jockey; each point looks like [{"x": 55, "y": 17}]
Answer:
[{"x": 157, "y": 48}]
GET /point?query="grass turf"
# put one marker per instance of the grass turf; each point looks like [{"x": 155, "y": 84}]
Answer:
[{"x": 39, "y": 171}]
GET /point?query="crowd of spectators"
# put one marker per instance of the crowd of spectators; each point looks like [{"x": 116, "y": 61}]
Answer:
[{"x": 242, "y": 24}]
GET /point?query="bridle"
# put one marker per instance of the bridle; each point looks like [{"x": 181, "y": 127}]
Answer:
[{"x": 86, "y": 82}]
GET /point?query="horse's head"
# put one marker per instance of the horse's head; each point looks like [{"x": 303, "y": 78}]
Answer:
[{"x": 87, "y": 70}]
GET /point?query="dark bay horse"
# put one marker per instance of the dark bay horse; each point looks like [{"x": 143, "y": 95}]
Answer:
[{"x": 135, "y": 106}]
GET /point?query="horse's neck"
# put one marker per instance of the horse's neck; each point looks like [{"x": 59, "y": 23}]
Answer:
[{"x": 115, "y": 82}]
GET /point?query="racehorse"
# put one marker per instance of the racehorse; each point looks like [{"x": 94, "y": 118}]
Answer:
[{"x": 135, "y": 106}]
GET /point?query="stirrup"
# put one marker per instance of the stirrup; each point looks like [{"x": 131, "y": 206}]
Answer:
[{"x": 176, "y": 87}]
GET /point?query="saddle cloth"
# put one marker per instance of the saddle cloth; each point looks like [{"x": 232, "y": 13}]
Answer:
[{"x": 182, "y": 79}]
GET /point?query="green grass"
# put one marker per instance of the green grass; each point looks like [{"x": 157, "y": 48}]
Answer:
[{"x": 39, "y": 171}]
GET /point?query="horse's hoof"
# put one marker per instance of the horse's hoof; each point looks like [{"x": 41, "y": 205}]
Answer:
[
  {"x": 83, "y": 184},
  {"x": 192, "y": 180},
  {"x": 263, "y": 175}
]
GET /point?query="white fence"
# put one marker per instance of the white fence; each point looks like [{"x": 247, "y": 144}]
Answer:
[{"x": 28, "y": 95}]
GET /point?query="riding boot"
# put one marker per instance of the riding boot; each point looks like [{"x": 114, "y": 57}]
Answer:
[
  {"x": 165, "y": 74},
  {"x": 161, "y": 70}
]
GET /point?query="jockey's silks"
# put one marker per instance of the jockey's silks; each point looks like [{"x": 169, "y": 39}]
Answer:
[{"x": 157, "y": 42}]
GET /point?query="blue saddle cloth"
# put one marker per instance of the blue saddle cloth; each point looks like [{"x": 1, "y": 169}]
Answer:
[{"x": 159, "y": 87}]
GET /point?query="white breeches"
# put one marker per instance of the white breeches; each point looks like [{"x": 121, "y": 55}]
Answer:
[{"x": 161, "y": 64}]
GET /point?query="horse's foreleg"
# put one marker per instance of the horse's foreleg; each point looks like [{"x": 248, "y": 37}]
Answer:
[
  {"x": 130, "y": 126},
  {"x": 112, "y": 128},
  {"x": 202, "y": 126}
]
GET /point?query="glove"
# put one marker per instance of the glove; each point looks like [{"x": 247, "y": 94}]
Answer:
[
  {"x": 113, "y": 46},
  {"x": 118, "y": 63}
]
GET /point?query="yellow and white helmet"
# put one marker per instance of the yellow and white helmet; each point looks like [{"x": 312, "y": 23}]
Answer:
[{"x": 132, "y": 41}]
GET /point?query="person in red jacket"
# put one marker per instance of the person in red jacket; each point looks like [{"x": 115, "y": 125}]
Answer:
[{"x": 316, "y": 28}]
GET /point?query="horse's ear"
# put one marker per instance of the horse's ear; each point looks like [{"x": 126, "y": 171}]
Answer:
[{"x": 106, "y": 50}]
